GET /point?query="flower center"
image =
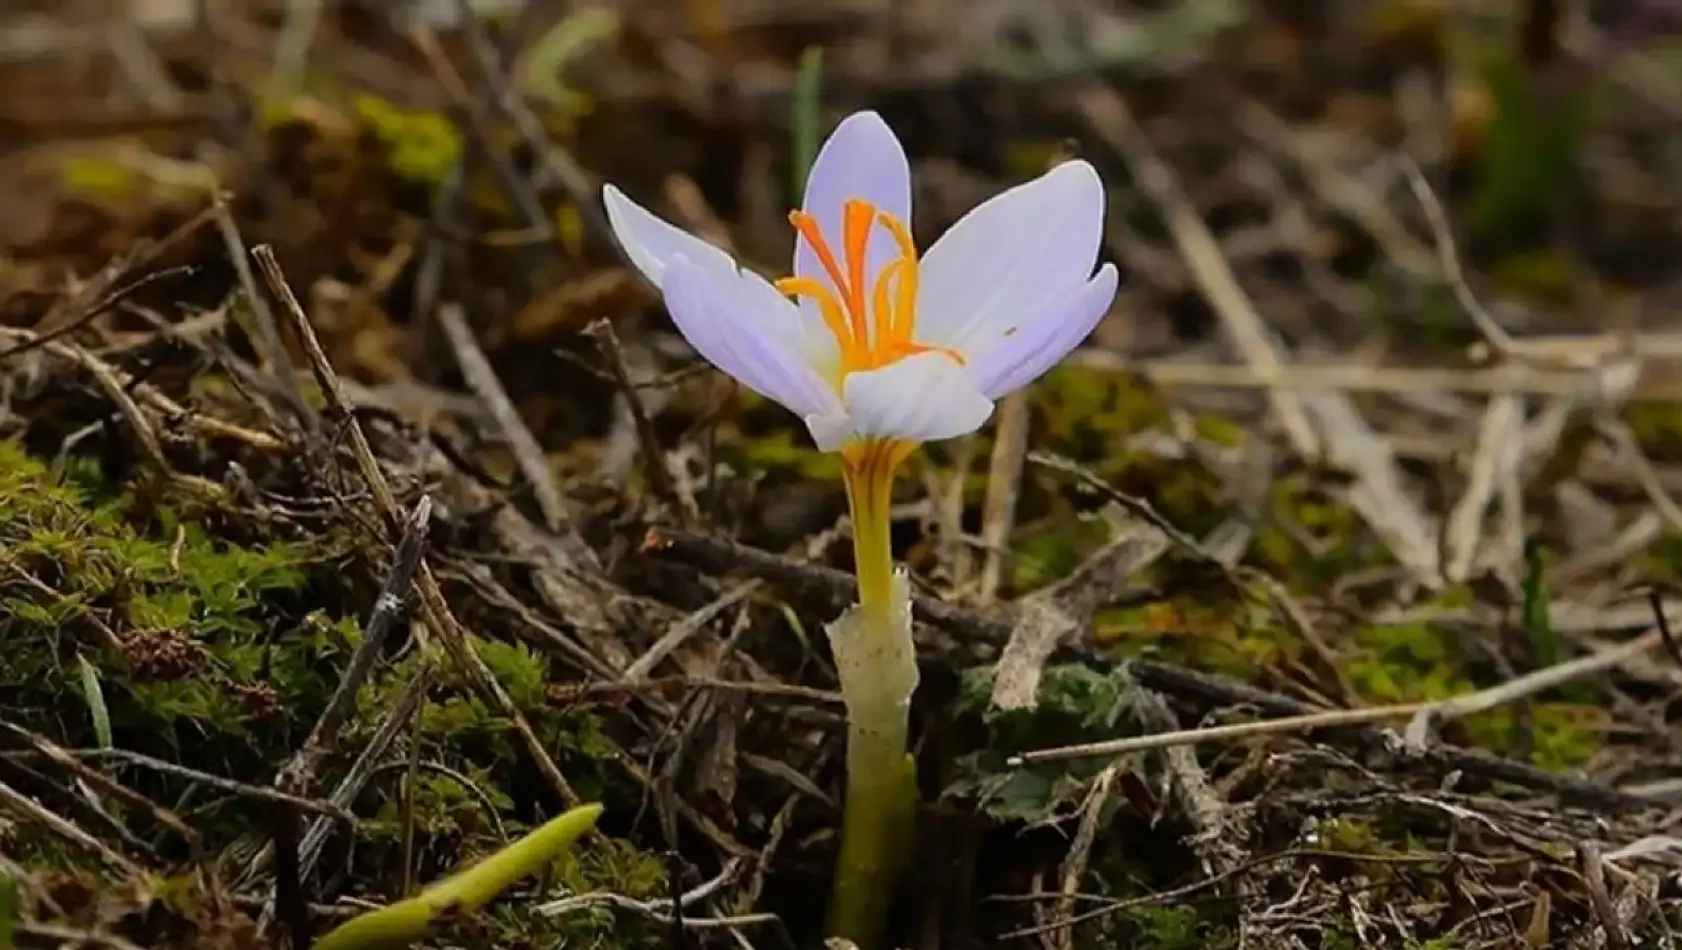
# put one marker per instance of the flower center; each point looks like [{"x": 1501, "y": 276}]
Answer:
[{"x": 873, "y": 324}]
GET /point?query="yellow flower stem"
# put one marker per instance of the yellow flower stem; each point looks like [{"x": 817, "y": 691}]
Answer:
[
  {"x": 870, "y": 501},
  {"x": 877, "y": 665}
]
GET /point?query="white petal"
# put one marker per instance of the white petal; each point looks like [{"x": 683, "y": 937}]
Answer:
[
  {"x": 923, "y": 398},
  {"x": 861, "y": 159},
  {"x": 724, "y": 314},
  {"x": 831, "y": 432},
  {"x": 1044, "y": 336},
  {"x": 651, "y": 242},
  {"x": 1033, "y": 243}
]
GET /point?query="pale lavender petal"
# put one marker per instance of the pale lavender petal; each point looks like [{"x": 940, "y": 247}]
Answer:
[
  {"x": 651, "y": 242},
  {"x": 724, "y": 316},
  {"x": 922, "y": 398},
  {"x": 861, "y": 159},
  {"x": 831, "y": 431},
  {"x": 1046, "y": 334},
  {"x": 1033, "y": 243}
]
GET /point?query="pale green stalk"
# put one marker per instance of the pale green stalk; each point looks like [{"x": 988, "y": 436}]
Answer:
[
  {"x": 401, "y": 924},
  {"x": 877, "y": 665}
]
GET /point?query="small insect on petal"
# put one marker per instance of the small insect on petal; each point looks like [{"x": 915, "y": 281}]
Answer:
[
  {"x": 1044, "y": 336},
  {"x": 1009, "y": 257}
]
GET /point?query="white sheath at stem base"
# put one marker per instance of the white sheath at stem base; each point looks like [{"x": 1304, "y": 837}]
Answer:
[{"x": 877, "y": 664}]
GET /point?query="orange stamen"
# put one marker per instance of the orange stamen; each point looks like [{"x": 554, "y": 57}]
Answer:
[
  {"x": 873, "y": 325},
  {"x": 856, "y": 220},
  {"x": 808, "y": 228}
]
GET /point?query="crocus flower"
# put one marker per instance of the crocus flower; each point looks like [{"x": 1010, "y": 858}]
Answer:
[
  {"x": 873, "y": 345},
  {"x": 879, "y": 349}
]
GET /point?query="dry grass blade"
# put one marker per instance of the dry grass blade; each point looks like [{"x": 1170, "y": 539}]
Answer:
[
  {"x": 436, "y": 612},
  {"x": 1004, "y": 485},
  {"x": 1318, "y": 424},
  {"x": 1111, "y": 121},
  {"x": 267, "y": 336},
  {"x": 1497, "y": 451},
  {"x": 481, "y": 378},
  {"x": 28, "y": 809},
  {"x": 1059, "y": 615},
  {"x": 1307, "y": 722}
]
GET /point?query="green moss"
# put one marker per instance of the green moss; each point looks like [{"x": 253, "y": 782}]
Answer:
[
  {"x": 216, "y": 643},
  {"x": 1170, "y": 927},
  {"x": 1219, "y": 430},
  {"x": 787, "y": 451},
  {"x": 1085, "y": 412},
  {"x": 1403, "y": 663},
  {"x": 1213, "y": 628},
  {"x": 1563, "y": 735},
  {"x": 1545, "y": 275},
  {"x": 420, "y": 146},
  {"x": 1350, "y": 835},
  {"x": 1050, "y": 550},
  {"x": 611, "y": 866},
  {"x": 97, "y": 178},
  {"x": 11, "y": 909},
  {"x": 191, "y": 613},
  {"x": 1309, "y": 539},
  {"x": 1658, "y": 427},
  {"x": 1418, "y": 662}
]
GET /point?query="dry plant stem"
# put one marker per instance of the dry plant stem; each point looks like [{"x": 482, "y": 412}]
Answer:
[
  {"x": 265, "y": 332},
  {"x": 1439, "y": 758},
  {"x": 476, "y": 369},
  {"x": 1237, "y": 730},
  {"x": 1499, "y": 438},
  {"x": 977, "y": 637},
  {"x": 59, "y": 936},
  {"x": 439, "y": 620},
  {"x": 648, "y": 440},
  {"x": 1320, "y": 426},
  {"x": 1093, "y": 813},
  {"x": 388, "y": 607},
  {"x": 362, "y": 770},
  {"x": 297, "y": 774},
  {"x": 877, "y": 664},
  {"x": 257, "y": 792},
  {"x": 1004, "y": 485},
  {"x": 683, "y": 630},
  {"x": 106, "y": 785},
  {"x": 28, "y": 809},
  {"x": 1114, "y": 124},
  {"x": 1500, "y": 379},
  {"x": 1530, "y": 684},
  {"x": 116, "y": 385}
]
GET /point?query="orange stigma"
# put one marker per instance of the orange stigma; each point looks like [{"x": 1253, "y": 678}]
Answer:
[{"x": 873, "y": 325}]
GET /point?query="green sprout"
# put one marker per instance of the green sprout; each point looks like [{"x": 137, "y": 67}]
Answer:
[{"x": 403, "y": 923}]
